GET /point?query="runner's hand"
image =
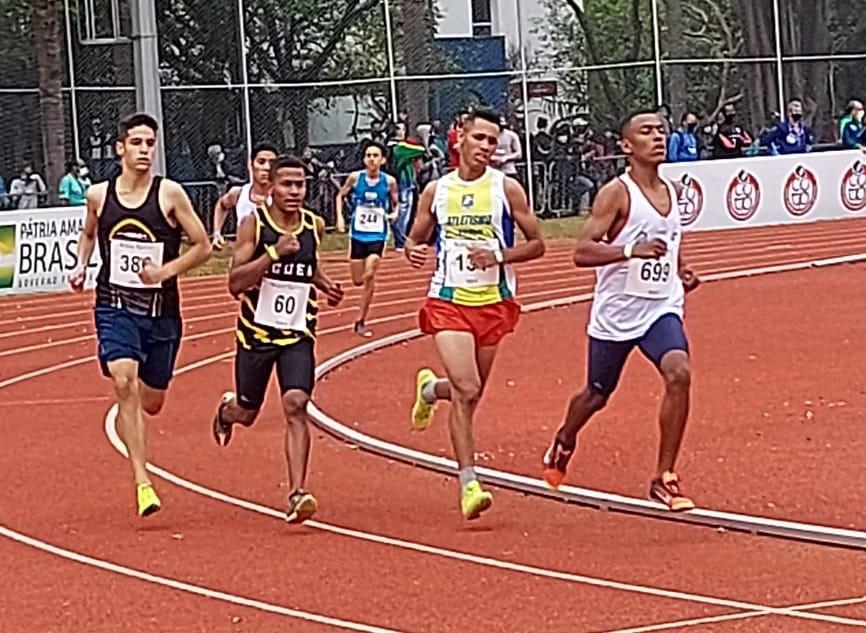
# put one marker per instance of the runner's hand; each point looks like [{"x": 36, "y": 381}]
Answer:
[
  {"x": 76, "y": 279},
  {"x": 151, "y": 274},
  {"x": 690, "y": 278},
  {"x": 334, "y": 292},
  {"x": 482, "y": 258},
  {"x": 218, "y": 242},
  {"x": 287, "y": 245},
  {"x": 650, "y": 250},
  {"x": 417, "y": 255}
]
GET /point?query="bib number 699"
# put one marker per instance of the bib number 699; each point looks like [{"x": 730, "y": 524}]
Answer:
[{"x": 655, "y": 271}]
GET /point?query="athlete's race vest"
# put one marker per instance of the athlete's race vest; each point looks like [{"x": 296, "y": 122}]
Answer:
[
  {"x": 370, "y": 205},
  {"x": 631, "y": 295},
  {"x": 127, "y": 237},
  {"x": 282, "y": 308},
  {"x": 471, "y": 214},
  {"x": 245, "y": 205}
]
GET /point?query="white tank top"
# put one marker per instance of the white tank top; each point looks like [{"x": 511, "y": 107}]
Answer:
[
  {"x": 245, "y": 205},
  {"x": 632, "y": 295}
]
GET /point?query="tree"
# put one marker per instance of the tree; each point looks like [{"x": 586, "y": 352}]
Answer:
[{"x": 46, "y": 20}]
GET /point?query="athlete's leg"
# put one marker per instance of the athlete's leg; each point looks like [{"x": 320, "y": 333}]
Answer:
[
  {"x": 457, "y": 352},
  {"x": 161, "y": 345},
  {"x": 131, "y": 426},
  {"x": 296, "y": 376},
  {"x": 606, "y": 360},
  {"x": 440, "y": 388},
  {"x": 152, "y": 400},
  {"x": 252, "y": 373},
  {"x": 368, "y": 280},
  {"x": 665, "y": 344}
]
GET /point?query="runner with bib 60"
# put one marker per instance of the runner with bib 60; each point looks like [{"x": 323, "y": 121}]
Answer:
[
  {"x": 633, "y": 238},
  {"x": 275, "y": 273}
]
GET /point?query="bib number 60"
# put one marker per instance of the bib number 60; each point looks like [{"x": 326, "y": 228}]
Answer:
[{"x": 284, "y": 304}]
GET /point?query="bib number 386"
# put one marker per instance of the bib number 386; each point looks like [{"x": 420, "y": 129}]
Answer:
[
  {"x": 283, "y": 305},
  {"x": 127, "y": 261},
  {"x": 650, "y": 278}
]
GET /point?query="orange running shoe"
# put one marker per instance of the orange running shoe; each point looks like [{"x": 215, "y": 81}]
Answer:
[
  {"x": 556, "y": 463},
  {"x": 666, "y": 490}
]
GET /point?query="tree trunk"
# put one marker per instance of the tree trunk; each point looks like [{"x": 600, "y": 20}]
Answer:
[
  {"x": 678, "y": 97},
  {"x": 761, "y": 90},
  {"x": 46, "y": 18},
  {"x": 416, "y": 42}
]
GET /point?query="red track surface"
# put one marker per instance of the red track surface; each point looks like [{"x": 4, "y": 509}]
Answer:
[{"x": 767, "y": 350}]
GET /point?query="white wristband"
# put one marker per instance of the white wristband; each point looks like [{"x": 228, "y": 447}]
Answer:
[
  {"x": 498, "y": 255},
  {"x": 627, "y": 250}
]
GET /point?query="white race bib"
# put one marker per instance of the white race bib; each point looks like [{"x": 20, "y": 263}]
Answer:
[
  {"x": 283, "y": 305},
  {"x": 127, "y": 260},
  {"x": 369, "y": 219},
  {"x": 459, "y": 271},
  {"x": 651, "y": 278}
]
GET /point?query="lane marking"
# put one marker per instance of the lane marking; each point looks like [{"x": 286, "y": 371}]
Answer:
[
  {"x": 197, "y": 590},
  {"x": 486, "y": 561}
]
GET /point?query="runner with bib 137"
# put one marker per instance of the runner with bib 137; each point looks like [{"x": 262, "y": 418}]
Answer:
[
  {"x": 470, "y": 305},
  {"x": 633, "y": 238},
  {"x": 275, "y": 273}
]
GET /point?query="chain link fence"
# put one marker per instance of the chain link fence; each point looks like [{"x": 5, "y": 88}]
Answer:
[{"x": 317, "y": 78}]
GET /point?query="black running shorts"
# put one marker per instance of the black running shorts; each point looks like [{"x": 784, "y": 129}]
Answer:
[{"x": 296, "y": 366}]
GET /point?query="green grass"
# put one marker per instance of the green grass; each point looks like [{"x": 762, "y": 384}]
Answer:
[{"x": 565, "y": 228}]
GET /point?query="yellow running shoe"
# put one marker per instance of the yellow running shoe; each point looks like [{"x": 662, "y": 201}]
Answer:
[
  {"x": 148, "y": 502},
  {"x": 422, "y": 411},
  {"x": 475, "y": 500}
]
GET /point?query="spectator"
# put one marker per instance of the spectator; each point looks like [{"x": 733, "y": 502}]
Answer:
[
  {"x": 407, "y": 156},
  {"x": 791, "y": 136},
  {"x": 27, "y": 188},
  {"x": 731, "y": 139},
  {"x": 853, "y": 132},
  {"x": 664, "y": 111},
  {"x": 72, "y": 187},
  {"x": 683, "y": 143},
  {"x": 542, "y": 141},
  {"x": 508, "y": 150}
]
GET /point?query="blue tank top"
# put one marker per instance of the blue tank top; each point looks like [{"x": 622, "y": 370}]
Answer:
[{"x": 370, "y": 205}]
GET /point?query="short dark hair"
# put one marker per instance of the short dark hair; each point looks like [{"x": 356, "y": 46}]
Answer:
[
  {"x": 626, "y": 122},
  {"x": 379, "y": 145},
  {"x": 133, "y": 121},
  {"x": 285, "y": 161},
  {"x": 485, "y": 114},
  {"x": 263, "y": 147}
]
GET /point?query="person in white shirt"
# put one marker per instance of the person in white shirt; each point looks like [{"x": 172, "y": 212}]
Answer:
[{"x": 633, "y": 238}]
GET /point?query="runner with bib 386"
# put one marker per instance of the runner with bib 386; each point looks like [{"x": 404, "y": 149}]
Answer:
[{"x": 275, "y": 273}]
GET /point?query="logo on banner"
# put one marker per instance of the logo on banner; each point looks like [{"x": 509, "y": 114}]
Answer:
[
  {"x": 690, "y": 200},
  {"x": 7, "y": 255},
  {"x": 744, "y": 196},
  {"x": 801, "y": 191},
  {"x": 853, "y": 190}
]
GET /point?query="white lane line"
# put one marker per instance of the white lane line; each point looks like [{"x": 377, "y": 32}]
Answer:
[
  {"x": 197, "y": 590},
  {"x": 740, "y": 615},
  {"x": 48, "y": 401}
]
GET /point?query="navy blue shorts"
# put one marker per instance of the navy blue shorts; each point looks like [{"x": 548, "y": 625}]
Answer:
[
  {"x": 152, "y": 341},
  {"x": 607, "y": 358}
]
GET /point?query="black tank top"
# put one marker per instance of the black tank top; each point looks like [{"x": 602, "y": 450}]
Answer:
[
  {"x": 126, "y": 238},
  {"x": 278, "y": 305}
]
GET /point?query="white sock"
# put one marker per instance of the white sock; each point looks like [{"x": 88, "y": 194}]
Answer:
[
  {"x": 467, "y": 476},
  {"x": 428, "y": 391}
]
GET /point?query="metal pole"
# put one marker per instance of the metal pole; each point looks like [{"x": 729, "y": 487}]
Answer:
[
  {"x": 67, "y": 18},
  {"x": 780, "y": 77},
  {"x": 389, "y": 43},
  {"x": 530, "y": 186},
  {"x": 657, "y": 52},
  {"x": 248, "y": 126},
  {"x": 146, "y": 52}
]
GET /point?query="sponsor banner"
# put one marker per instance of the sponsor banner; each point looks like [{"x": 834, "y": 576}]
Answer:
[
  {"x": 770, "y": 189},
  {"x": 38, "y": 250}
]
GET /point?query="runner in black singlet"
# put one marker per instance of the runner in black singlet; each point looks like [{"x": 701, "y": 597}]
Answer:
[
  {"x": 275, "y": 273},
  {"x": 138, "y": 220}
]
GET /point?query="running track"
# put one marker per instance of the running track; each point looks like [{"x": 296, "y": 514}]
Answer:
[{"x": 388, "y": 550}]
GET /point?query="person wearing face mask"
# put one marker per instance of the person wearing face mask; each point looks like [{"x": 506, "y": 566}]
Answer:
[
  {"x": 683, "y": 142},
  {"x": 792, "y": 136},
  {"x": 853, "y": 132},
  {"x": 731, "y": 139}
]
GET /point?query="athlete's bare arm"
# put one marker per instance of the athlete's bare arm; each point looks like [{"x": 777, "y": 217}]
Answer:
[
  {"x": 332, "y": 289},
  {"x": 199, "y": 250},
  {"x": 247, "y": 272},
  {"x": 229, "y": 200},
  {"x": 344, "y": 192},
  {"x": 415, "y": 248},
  {"x": 611, "y": 204},
  {"x": 532, "y": 248},
  {"x": 394, "y": 194},
  {"x": 87, "y": 239}
]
